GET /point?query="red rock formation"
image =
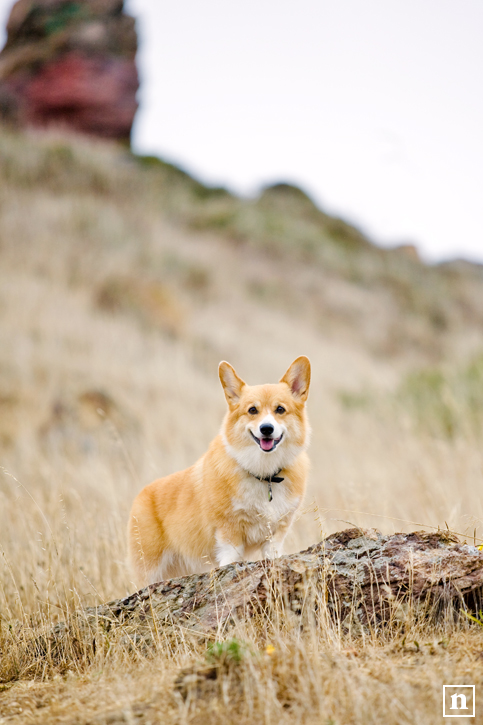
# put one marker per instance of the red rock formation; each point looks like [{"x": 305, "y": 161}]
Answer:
[{"x": 70, "y": 64}]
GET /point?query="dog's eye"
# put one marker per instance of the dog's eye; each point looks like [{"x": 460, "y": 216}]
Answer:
[
  {"x": 280, "y": 410},
  {"x": 252, "y": 410}
]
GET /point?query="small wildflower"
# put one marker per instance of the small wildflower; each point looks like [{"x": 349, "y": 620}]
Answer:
[
  {"x": 269, "y": 649},
  {"x": 480, "y": 547}
]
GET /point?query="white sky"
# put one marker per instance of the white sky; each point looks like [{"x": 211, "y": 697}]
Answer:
[{"x": 375, "y": 107}]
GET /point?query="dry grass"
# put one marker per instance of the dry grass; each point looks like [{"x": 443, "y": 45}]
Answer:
[{"x": 114, "y": 314}]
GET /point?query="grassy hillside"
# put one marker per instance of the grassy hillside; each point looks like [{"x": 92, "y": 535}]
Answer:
[{"x": 123, "y": 283}]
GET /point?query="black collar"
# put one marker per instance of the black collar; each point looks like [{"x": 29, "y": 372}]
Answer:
[{"x": 274, "y": 478}]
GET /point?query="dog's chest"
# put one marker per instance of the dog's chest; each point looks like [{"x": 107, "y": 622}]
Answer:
[{"x": 254, "y": 510}]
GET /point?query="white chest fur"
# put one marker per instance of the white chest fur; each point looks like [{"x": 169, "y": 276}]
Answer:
[{"x": 259, "y": 517}]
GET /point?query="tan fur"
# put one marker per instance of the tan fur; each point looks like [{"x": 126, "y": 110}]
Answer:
[{"x": 216, "y": 512}]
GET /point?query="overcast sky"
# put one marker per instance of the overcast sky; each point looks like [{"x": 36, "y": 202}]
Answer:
[{"x": 375, "y": 107}]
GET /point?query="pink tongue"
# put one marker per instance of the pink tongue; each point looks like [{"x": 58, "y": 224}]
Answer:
[{"x": 266, "y": 444}]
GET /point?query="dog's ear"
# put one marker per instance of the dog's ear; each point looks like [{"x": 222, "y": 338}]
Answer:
[
  {"x": 297, "y": 378},
  {"x": 232, "y": 384}
]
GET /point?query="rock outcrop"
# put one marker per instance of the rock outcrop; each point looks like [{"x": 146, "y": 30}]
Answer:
[
  {"x": 71, "y": 65},
  {"x": 358, "y": 577}
]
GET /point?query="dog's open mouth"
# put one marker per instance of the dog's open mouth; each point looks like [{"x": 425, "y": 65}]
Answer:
[{"x": 267, "y": 444}]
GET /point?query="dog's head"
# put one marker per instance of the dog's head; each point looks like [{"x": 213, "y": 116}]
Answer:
[{"x": 266, "y": 425}]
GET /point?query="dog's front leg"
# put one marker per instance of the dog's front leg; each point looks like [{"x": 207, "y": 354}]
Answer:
[
  {"x": 272, "y": 548},
  {"x": 226, "y": 552}
]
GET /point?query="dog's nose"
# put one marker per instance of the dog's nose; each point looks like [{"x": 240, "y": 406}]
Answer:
[{"x": 266, "y": 430}]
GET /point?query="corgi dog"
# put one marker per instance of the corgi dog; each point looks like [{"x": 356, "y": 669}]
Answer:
[{"x": 241, "y": 496}]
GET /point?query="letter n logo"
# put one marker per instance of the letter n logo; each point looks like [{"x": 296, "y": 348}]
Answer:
[
  {"x": 462, "y": 702},
  {"x": 459, "y": 701}
]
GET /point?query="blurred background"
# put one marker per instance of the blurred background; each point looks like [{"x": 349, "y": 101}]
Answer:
[
  {"x": 250, "y": 184},
  {"x": 372, "y": 108}
]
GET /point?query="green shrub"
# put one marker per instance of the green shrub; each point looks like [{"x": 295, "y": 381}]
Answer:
[{"x": 447, "y": 403}]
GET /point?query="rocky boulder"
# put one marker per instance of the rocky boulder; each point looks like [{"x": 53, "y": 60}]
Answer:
[{"x": 71, "y": 65}]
